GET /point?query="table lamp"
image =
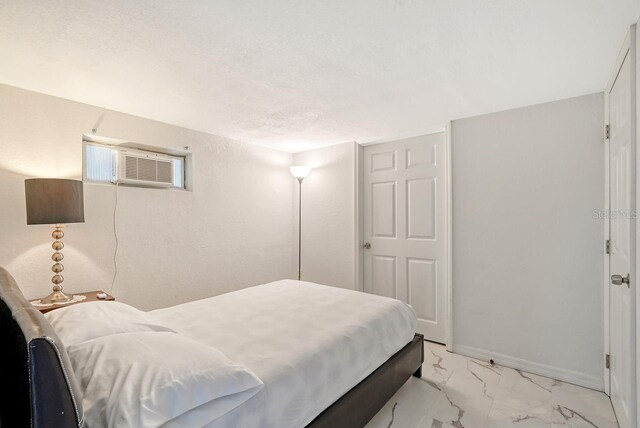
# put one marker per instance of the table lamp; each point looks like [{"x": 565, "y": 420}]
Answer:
[{"x": 55, "y": 202}]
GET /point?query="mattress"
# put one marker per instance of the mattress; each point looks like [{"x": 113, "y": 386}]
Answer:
[{"x": 308, "y": 343}]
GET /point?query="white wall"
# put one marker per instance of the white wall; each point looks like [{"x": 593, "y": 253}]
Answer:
[
  {"x": 527, "y": 250},
  {"x": 329, "y": 215},
  {"x": 234, "y": 230}
]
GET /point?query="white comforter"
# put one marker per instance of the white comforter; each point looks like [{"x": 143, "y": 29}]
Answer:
[{"x": 308, "y": 343}]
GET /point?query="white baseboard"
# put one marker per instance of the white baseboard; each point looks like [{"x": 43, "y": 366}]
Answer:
[{"x": 577, "y": 378}]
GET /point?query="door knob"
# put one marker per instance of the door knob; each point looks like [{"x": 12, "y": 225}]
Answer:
[
  {"x": 366, "y": 245},
  {"x": 619, "y": 280}
]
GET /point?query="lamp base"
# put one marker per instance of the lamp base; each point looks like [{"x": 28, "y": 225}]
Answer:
[{"x": 56, "y": 297}]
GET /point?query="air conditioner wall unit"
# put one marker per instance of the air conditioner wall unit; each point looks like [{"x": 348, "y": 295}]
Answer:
[{"x": 141, "y": 168}]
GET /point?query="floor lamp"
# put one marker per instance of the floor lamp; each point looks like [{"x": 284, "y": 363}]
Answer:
[{"x": 300, "y": 172}]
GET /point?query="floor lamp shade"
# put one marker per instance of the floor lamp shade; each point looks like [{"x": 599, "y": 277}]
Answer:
[
  {"x": 54, "y": 201},
  {"x": 300, "y": 171}
]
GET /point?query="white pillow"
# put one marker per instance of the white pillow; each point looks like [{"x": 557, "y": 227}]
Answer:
[
  {"x": 85, "y": 321},
  {"x": 148, "y": 379}
]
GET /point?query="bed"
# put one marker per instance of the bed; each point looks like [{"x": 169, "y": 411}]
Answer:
[{"x": 327, "y": 357}]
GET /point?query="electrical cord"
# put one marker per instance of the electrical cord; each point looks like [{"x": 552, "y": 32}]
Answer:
[{"x": 115, "y": 234}]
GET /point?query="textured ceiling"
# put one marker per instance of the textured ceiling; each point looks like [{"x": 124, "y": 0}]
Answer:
[{"x": 296, "y": 75}]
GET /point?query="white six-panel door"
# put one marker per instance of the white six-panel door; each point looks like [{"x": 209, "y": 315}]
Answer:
[
  {"x": 405, "y": 225},
  {"x": 621, "y": 297}
]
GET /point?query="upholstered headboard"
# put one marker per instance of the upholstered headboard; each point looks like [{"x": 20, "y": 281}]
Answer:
[{"x": 38, "y": 386}]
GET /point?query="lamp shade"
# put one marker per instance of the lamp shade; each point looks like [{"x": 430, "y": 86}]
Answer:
[
  {"x": 299, "y": 171},
  {"x": 54, "y": 201}
]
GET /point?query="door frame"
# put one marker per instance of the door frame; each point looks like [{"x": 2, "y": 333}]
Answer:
[
  {"x": 359, "y": 177},
  {"x": 628, "y": 49}
]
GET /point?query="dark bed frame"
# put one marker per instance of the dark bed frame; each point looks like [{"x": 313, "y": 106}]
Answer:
[{"x": 38, "y": 388}]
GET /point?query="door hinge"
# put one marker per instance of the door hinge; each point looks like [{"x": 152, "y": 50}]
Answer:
[
  {"x": 607, "y": 361},
  {"x": 607, "y": 132},
  {"x": 607, "y": 246}
]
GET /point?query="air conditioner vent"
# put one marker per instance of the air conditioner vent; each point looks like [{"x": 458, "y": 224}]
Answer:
[
  {"x": 165, "y": 173},
  {"x": 145, "y": 169},
  {"x": 131, "y": 167}
]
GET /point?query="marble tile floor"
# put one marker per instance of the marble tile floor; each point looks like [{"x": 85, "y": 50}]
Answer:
[{"x": 461, "y": 392}]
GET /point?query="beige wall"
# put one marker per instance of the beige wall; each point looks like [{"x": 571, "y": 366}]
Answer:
[
  {"x": 527, "y": 249},
  {"x": 234, "y": 230}
]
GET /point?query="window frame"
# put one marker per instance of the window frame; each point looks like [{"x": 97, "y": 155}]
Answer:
[{"x": 185, "y": 157}]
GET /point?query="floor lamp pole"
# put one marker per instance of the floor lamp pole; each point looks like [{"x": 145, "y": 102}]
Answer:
[
  {"x": 299, "y": 172},
  {"x": 300, "y": 227}
]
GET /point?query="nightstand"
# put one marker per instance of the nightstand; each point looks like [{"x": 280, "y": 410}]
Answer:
[{"x": 90, "y": 296}]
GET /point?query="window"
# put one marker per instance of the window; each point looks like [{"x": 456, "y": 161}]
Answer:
[
  {"x": 100, "y": 163},
  {"x": 118, "y": 164}
]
